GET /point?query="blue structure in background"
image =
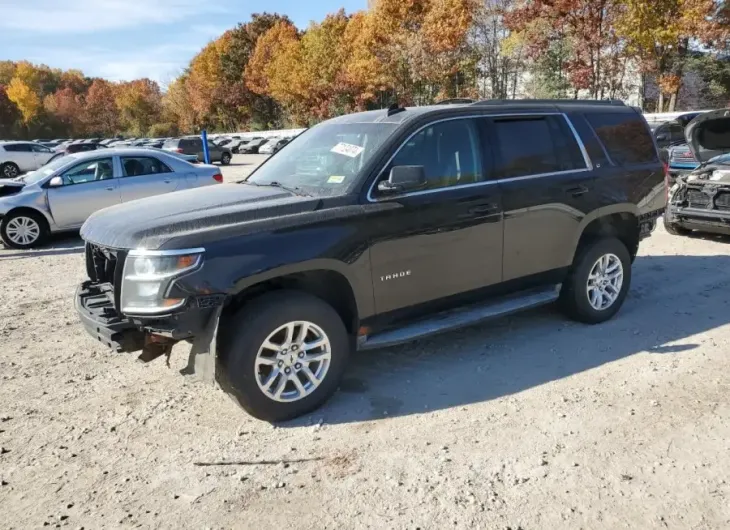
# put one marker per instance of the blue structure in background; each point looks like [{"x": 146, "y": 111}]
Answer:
[{"x": 206, "y": 152}]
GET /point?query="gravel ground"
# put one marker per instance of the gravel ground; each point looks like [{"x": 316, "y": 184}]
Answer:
[{"x": 529, "y": 422}]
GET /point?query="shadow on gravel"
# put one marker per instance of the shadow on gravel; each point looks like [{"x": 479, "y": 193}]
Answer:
[
  {"x": 60, "y": 244},
  {"x": 672, "y": 298}
]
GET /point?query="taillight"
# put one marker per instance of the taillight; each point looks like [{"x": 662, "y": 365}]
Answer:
[
  {"x": 218, "y": 177},
  {"x": 178, "y": 150}
]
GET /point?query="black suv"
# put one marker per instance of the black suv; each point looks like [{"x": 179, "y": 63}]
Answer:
[
  {"x": 193, "y": 145},
  {"x": 375, "y": 229}
]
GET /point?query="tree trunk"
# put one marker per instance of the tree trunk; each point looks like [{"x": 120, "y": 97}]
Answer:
[
  {"x": 660, "y": 102},
  {"x": 673, "y": 101}
]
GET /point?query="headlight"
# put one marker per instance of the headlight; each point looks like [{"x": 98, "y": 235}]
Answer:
[{"x": 148, "y": 275}]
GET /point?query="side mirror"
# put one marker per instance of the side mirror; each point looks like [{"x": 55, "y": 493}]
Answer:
[
  {"x": 55, "y": 182},
  {"x": 403, "y": 178},
  {"x": 661, "y": 137}
]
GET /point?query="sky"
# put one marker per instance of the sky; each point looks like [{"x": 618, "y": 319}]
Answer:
[{"x": 128, "y": 39}]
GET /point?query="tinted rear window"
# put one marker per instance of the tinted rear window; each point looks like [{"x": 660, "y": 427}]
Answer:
[
  {"x": 531, "y": 146},
  {"x": 625, "y": 137},
  {"x": 18, "y": 148}
]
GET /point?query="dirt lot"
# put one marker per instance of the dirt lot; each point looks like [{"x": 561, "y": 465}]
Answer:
[{"x": 532, "y": 422}]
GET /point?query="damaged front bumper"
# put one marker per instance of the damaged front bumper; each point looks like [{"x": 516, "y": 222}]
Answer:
[
  {"x": 153, "y": 336},
  {"x": 704, "y": 220}
]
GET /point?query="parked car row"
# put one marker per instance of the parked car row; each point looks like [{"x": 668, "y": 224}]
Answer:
[{"x": 253, "y": 145}]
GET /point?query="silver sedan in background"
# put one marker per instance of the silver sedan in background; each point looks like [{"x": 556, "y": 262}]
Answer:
[{"x": 61, "y": 195}]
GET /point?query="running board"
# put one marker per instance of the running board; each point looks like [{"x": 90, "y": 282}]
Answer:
[{"x": 462, "y": 317}]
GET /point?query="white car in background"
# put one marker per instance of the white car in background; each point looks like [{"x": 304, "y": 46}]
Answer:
[{"x": 21, "y": 157}]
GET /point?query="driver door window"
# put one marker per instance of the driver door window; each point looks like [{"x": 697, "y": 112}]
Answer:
[
  {"x": 89, "y": 171},
  {"x": 448, "y": 151}
]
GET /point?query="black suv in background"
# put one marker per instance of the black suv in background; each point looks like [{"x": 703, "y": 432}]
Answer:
[
  {"x": 375, "y": 229},
  {"x": 193, "y": 145}
]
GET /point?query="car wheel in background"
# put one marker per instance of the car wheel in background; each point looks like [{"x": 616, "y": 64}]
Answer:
[
  {"x": 9, "y": 170},
  {"x": 225, "y": 159},
  {"x": 283, "y": 355},
  {"x": 598, "y": 282},
  {"x": 23, "y": 229}
]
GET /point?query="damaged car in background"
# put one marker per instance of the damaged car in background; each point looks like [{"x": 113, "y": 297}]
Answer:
[{"x": 700, "y": 200}]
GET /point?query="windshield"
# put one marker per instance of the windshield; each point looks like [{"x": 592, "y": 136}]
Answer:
[
  {"x": 326, "y": 159},
  {"x": 40, "y": 174}
]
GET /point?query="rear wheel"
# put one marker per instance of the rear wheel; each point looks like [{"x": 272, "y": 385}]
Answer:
[
  {"x": 674, "y": 229},
  {"x": 9, "y": 170},
  {"x": 225, "y": 159},
  {"x": 284, "y": 356},
  {"x": 23, "y": 229},
  {"x": 599, "y": 281}
]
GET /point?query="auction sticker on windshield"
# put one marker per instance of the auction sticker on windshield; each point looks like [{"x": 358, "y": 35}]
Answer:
[
  {"x": 336, "y": 179},
  {"x": 347, "y": 149}
]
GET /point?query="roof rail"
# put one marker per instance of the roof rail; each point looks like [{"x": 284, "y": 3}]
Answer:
[
  {"x": 605, "y": 102},
  {"x": 455, "y": 101}
]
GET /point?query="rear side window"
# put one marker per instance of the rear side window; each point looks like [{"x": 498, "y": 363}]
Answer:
[
  {"x": 625, "y": 137},
  {"x": 135, "y": 166},
  {"x": 536, "y": 145},
  {"x": 18, "y": 148}
]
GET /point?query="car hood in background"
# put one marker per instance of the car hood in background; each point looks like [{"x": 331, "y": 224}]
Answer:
[
  {"x": 708, "y": 135},
  {"x": 189, "y": 215},
  {"x": 10, "y": 187}
]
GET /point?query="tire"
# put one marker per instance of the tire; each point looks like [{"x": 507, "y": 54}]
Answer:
[
  {"x": 674, "y": 229},
  {"x": 24, "y": 229},
  {"x": 9, "y": 170},
  {"x": 575, "y": 298},
  {"x": 266, "y": 319},
  {"x": 225, "y": 159}
]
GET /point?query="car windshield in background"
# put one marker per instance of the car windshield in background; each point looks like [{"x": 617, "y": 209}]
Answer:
[
  {"x": 325, "y": 160},
  {"x": 40, "y": 174}
]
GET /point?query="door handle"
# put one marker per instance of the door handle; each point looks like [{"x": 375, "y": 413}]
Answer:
[
  {"x": 167, "y": 181},
  {"x": 110, "y": 188},
  {"x": 577, "y": 191},
  {"x": 484, "y": 209}
]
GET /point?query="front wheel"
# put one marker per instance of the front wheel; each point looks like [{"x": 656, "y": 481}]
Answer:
[
  {"x": 284, "y": 355},
  {"x": 598, "y": 282},
  {"x": 23, "y": 230}
]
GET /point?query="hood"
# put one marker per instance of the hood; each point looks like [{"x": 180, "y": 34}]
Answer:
[
  {"x": 10, "y": 187},
  {"x": 708, "y": 135},
  {"x": 154, "y": 222}
]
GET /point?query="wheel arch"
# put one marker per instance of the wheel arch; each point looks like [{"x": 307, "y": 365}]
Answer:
[
  {"x": 29, "y": 209},
  {"x": 620, "y": 221},
  {"x": 325, "y": 279}
]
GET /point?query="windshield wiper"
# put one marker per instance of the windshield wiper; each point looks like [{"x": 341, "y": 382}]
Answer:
[
  {"x": 295, "y": 190},
  {"x": 276, "y": 184}
]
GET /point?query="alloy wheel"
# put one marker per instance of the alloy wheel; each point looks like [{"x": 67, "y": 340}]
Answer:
[
  {"x": 10, "y": 171},
  {"x": 605, "y": 281},
  {"x": 293, "y": 361},
  {"x": 23, "y": 230}
]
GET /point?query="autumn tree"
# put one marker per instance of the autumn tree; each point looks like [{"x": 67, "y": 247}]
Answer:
[
  {"x": 66, "y": 109},
  {"x": 10, "y": 116},
  {"x": 100, "y": 114},
  {"x": 139, "y": 103},
  {"x": 597, "y": 62},
  {"x": 660, "y": 34},
  {"x": 25, "y": 99}
]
